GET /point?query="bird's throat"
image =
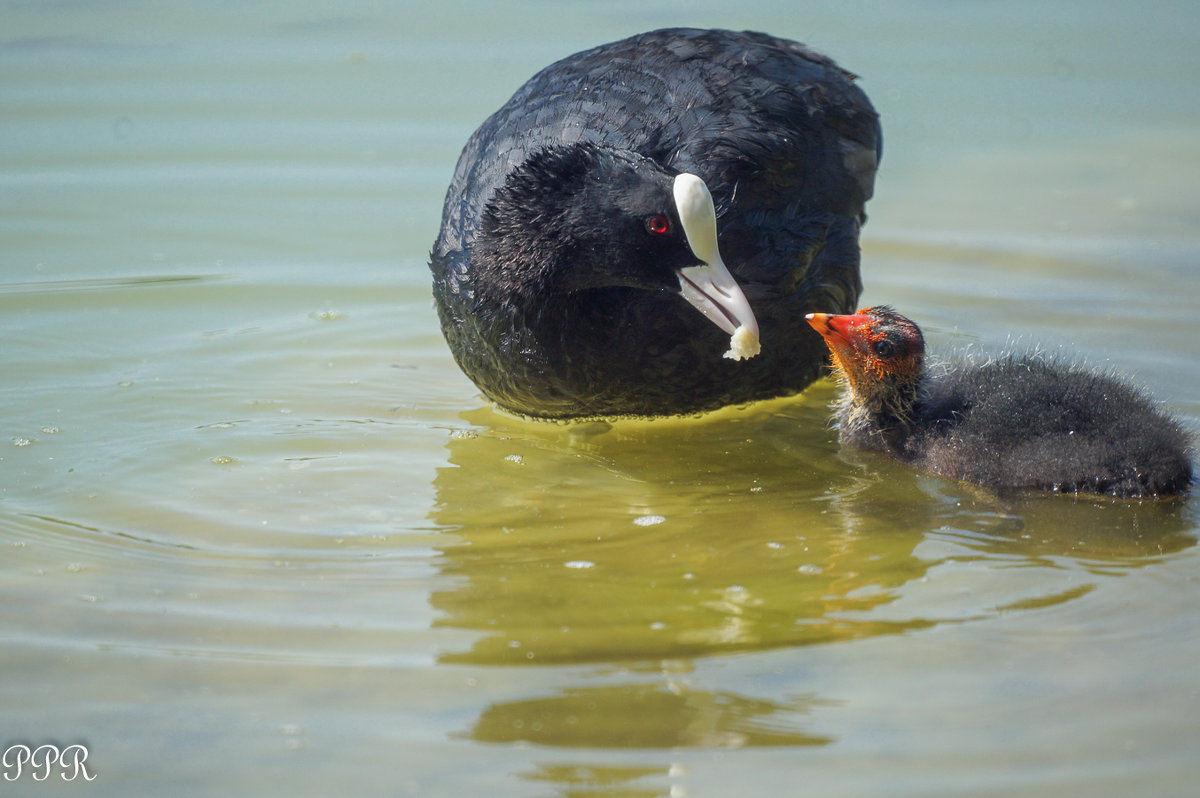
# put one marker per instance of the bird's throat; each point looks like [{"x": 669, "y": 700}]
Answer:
[{"x": 875, "y": 413}]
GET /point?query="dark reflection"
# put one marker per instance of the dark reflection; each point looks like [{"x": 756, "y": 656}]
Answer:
[
  {"x": 1102, "y": 535},
  {"x": 648, "y": 544},
  {"x": 745, "y": 530},
  {"x": 646, "y": 716},
  {"x": 659, "y": 540}
]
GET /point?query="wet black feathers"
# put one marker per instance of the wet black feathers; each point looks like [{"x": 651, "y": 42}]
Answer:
[{"x": 1034, "y": 422}]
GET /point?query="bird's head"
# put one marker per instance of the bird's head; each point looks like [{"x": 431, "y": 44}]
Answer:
[
  {"x": 581, "y": 217},
  {"x": 877, "y": 352}
]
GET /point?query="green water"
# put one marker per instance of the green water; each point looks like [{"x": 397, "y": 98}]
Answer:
[{"x": 260, "y": 536}]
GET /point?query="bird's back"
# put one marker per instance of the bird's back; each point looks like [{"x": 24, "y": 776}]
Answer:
[{"x": 1029, "y": 421}]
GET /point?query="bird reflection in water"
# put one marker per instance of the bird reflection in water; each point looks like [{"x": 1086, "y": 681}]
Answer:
[{"x": 638, "y": 549}]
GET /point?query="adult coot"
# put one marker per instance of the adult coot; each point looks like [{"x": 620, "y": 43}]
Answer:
[
  {"x": 578, "y": 238},
  {"x": 1022, "y": 421}
]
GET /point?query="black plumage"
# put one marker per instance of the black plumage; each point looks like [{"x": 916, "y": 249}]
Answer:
[
  {"x": 1019, "y": 421},
  {"x": 552, "y": 296}
]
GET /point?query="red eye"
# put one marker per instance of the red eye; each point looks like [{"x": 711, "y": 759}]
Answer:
[{"x": 659, "y": 225}]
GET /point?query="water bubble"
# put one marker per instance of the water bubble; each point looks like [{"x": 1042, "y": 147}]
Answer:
[
  {"x": 325, "y": 315},
  {"x": 649, "y": 520},
  {"x": 294, "y": 735}
]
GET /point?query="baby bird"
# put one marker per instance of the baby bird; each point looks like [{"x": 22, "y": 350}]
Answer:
[{"x": 1021, "y": 421}]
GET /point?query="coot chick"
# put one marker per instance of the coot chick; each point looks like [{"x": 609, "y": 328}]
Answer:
[
  {"x": 1021, "y": 421},
  {"x": 580, "y": 232}
]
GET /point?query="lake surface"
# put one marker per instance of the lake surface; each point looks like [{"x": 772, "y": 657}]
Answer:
[{"x": 261, "y": 537}]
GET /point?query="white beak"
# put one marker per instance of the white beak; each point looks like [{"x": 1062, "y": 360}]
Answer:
[{"x": 710, "y": 288}]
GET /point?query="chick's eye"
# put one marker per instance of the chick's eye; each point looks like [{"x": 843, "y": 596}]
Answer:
[
  {"x": 659, "y": 225},
  {"x": 884, "y": 348}
]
